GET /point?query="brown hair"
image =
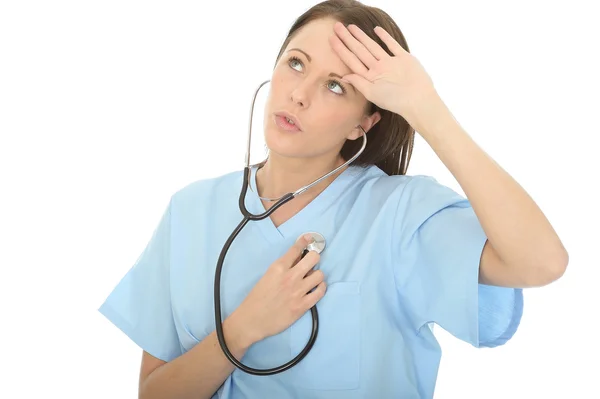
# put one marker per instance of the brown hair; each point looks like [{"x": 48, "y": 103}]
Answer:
[{"x": 390, "y": 141}]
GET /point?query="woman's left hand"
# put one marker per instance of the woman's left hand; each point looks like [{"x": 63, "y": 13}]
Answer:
[{"x": 397, "y": 83}]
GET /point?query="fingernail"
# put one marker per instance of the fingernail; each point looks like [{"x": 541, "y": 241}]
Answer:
[{"x": 308, "y": 237}]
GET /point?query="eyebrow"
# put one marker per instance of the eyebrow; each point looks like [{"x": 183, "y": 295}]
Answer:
[{"x": 308, "y": 57}]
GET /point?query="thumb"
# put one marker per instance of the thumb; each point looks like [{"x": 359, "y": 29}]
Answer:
[{"x": 361, "y": 84}]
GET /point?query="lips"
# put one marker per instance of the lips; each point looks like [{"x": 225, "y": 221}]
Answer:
[
  {"x": 291, "y": 117},
  {"x": 284, "y": 125}
]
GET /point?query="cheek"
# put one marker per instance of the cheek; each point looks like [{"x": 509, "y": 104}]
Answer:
[
  {"x": 277, "y": 89},
  {"x": 336, "y": 117},
  {"x": 282, "y": 79}
]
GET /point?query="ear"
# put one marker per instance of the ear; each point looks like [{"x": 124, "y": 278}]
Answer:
[{"x": 367, "y": 123}]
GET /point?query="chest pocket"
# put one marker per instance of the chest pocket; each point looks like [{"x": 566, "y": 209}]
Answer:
[{"x": 334, "y": 360}]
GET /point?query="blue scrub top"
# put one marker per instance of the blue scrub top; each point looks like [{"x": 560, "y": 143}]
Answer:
[{"x": 402, "y": 253}]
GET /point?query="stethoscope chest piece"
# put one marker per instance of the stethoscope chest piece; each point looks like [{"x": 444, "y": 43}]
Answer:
[{"x": 318, "y": 244}]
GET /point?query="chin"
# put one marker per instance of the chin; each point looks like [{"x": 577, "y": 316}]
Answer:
[{"x": 283, "y": 145}]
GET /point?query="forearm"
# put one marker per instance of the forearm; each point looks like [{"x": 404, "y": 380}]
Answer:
[
  {"x": 198, "y": 373},
  {"x": 515, "y": 226}
]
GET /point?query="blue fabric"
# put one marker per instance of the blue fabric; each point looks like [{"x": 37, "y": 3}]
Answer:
[{"x": 402, "y": 253}]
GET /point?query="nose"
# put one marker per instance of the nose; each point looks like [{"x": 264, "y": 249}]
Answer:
[
  {"x": 300, "y": 95},
  {"x": 298, "y": 98}
]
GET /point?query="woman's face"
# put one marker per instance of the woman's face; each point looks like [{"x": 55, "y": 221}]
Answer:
[{"x": 306, "y": 83}]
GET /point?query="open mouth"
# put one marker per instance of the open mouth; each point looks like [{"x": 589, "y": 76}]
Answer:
[{"x": 286, "y": 124}]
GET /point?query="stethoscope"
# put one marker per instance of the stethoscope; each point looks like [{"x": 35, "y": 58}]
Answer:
[{"x": 317, "y": 245}]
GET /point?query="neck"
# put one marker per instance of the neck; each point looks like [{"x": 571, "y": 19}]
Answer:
[{"x": 280, "y": 176}]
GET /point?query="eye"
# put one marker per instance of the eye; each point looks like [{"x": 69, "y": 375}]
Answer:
[
  {"x": 294, "y": 60},
  {"x": 295, "y": 63},
  {"x": 338, "y": 84}
]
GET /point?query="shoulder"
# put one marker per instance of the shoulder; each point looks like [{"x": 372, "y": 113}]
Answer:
[
  {"x": 414, "y": 201},
  {"x": 422, "y": 191},
  {"x": 428, "y": 194}
]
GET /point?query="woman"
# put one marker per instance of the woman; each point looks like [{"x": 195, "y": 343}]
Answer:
[{"x": 402, "y": 252}]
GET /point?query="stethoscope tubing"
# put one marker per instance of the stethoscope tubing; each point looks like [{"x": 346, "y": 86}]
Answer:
[
  {"x": 217, "y": 291},
  {"x": 247, "y": 216}
]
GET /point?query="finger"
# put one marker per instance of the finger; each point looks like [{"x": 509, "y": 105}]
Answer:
[
  {"x": 347, "y": 56},
  {"x": 389, "y": 41},
  {"x": 375, "y": 49},
  {"x": 361, "y": 84},
  {"x": 314, "y": 296},
  {"x": 305, "y": 264},
  {"x": 312, "y": 279},
  {"x": 354, "y": 45},
  {"x": 292, "y": 256}
]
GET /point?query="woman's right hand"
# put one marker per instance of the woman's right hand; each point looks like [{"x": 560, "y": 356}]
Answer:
[{"x": 282, "y": 295}]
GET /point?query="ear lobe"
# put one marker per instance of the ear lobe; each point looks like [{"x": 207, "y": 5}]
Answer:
[{"x": 356, "y": 133}]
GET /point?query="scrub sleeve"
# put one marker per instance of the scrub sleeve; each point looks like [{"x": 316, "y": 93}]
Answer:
[
  {"x": 440, "y": 242},
  {"x": 140, "y": 305}
]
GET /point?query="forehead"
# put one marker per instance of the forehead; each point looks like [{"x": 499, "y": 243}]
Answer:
[
  {"x": 317, "y": 27},
  {"x": 314, "y": 39}
]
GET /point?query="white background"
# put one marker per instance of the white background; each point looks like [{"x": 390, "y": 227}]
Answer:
[{"x": 107, "y": 108}]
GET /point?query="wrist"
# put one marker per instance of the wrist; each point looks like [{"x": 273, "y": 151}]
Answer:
[
  {"x": 430, "y": 113},
  {"x": 237, "y": 335}
]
